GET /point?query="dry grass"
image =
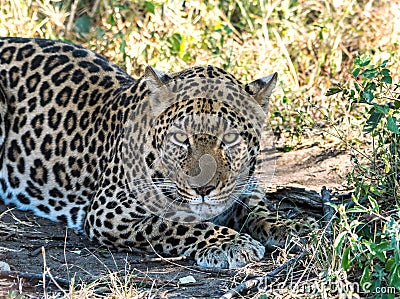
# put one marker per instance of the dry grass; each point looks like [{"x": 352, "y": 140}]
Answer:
[{"x": 310, "y": 43}]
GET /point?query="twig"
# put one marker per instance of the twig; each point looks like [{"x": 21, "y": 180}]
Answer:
[
  {"x": 52, "y": 245},
  {"x": 94, "y": 8},
  {"x": 29, "y": 275},
  {"x": 225, "y": 272},
  {"x": 44, "y": 272},
  {"x": 160, "y": 259},
  {"x": 72, "y": 16},
  {"x": 249, "y": 284}
]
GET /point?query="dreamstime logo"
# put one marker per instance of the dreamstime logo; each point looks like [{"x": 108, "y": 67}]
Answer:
[
  {"x": 202, "y": 162},
  {"x": 325, "y": 288}
]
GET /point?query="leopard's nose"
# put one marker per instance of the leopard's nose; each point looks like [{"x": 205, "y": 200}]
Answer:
[{"x": 204, "y": 190}]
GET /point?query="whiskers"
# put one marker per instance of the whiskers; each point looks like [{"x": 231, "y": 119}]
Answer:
[
  {"x": 159, "y": 196},
  {"x": 164, "y": 197}
]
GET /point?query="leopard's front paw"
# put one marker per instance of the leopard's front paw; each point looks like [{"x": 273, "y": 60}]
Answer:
[{"x": 231, "y": 254}]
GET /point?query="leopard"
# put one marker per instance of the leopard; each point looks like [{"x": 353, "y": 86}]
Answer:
[{"x": 161, "y": 163}]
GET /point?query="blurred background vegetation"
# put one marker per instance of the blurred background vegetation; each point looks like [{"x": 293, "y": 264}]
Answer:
[
  {"x": 310, "y": 43},
  {"x": 347, "y": 49}
]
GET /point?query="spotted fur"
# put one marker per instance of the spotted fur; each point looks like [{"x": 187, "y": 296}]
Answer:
[{"x": 83, "y": 142}]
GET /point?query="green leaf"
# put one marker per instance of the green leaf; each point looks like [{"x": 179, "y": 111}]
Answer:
[
  {"x": 390, "y": 264},
  {"x": 387, "y": 79},
  {"x": 175, "y": 42},
  {"x": 362, "y": 60},
  {"x": 358, "y": 209},
  {"x": 292, "y": 3},
  {"x": 149, "y": 6},
  {"x": 83, "y": 24},
  {"x": 368, "y": 95},
  {"x": 365, "y": 280},
  {"x": 395, "y": 277},
  {"x": 384, "y": 63},
  {"x": 380, "y": 249},
  {"x": 356, "y": 72},
  {"x": 370, "y": 86},
  {"x": 381, "y": 256},
  {"x": 374, "y": 203},
  {"x": 111, "y": 20},
  {"x": 227, "y": 29},
  {"x": 392, "y": 125},
  {"x": 385, "y": 72},
  {"x": 333, "y": 90},
  {"x": 122, "y": 46},
  {"x": 372, "y": 122},
  {"x": 370, "y": 73},
  {"x": 339, "y": 240},
  {"x": 287, "y": 148},
  {"x": 186, "y": 57},
  {"x": 345, "y": 259},
  {"x": 384, "y": 109}
]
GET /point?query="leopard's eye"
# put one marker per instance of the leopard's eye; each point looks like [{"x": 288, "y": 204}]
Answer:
[
  {"x": 231, "y": 138},
  {"x": 180, "y": 138}
]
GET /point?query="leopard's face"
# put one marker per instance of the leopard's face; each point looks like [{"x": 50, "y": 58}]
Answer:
[
  {"x": 204, "y": 145},
  {"x": 206, "y": 161}
]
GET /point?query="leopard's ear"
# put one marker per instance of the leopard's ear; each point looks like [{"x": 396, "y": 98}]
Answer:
[
  {"x": 262, "y": 88},
  {"x": 156, "y": 78}
]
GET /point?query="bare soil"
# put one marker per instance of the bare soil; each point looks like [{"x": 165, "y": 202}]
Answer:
[{"x": 36, "y": 246}]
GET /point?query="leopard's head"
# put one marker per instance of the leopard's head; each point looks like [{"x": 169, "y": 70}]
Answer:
[{"x": 205, "y": 136}]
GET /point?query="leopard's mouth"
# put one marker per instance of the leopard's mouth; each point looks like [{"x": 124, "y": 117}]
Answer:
[
  {"x": 192, "y": 198},
  {"x": 175, "y": 197}
]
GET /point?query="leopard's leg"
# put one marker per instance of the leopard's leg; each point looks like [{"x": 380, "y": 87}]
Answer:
[
  {"x": 122, "y": 223},
  {"x": 272, "y": 228}
]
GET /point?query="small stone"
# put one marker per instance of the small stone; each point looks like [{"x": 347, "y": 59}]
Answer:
[
  {"x": 4, "y": 266},
  {"x": 187, "y": 279}
]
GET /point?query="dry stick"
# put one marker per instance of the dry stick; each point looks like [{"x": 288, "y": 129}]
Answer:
[
  {"x": 249, "y": 284},
  {"x": 159, "y": 259},
  {"x": 72, "y": 16},
  {"x": 29, "y": 275},
  {"x": 44, "y": 272},
  {"x": 148, "y": 280},
  {"x": 94, "y": 8},
  {"x": 225, "y": 272}
]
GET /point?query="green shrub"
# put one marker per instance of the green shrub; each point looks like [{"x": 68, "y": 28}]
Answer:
[{"x": 368, "y": 237}]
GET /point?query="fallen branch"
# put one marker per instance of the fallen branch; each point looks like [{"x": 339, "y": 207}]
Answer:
[
  {"x": 252, "y": 283},
  {"x": 29, "y": 275},
  {"x": 295, "y": 195}
]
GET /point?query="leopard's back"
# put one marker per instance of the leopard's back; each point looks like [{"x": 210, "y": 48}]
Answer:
[{"x": 56, "y": 102}]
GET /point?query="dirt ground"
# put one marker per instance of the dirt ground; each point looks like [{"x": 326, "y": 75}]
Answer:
[{"x": 34, "y": 245}]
